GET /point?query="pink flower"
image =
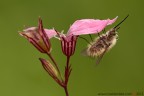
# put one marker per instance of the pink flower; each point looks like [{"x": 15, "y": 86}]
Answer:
[
  {"x": 89, "y": 26},
  {"x": 39, "y": 37},
  {"x": 81, "y": 27},
  {"x": 68, "y": 43}
]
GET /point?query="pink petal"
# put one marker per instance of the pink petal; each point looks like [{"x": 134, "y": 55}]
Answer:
[
  {"x": 30, "y": 32},
  {"x": 50, "y": 32},
  {"x": 89, "y": 26},
  {"x": 30, "y": 29},
  {"x": 112, "y": 21}
]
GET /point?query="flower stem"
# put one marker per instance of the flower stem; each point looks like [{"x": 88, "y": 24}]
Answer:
[
  {"x": 50, "y": 56},
  {"x": 66, "y": 91},
  {"x": 67, "y": 73},
  {"x": 67, "y": 70}
]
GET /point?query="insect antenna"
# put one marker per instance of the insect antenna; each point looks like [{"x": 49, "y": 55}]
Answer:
[{"x": 121, "y": 22}]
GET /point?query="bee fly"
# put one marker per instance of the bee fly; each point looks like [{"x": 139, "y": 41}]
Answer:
[{"x": 103, "y": 43}]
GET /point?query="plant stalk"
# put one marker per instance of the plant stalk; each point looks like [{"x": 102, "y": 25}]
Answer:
[{"x": 50, "y": 56}]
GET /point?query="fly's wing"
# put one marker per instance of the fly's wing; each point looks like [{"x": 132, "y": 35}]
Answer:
[
  {"x": 84, "y": 52},
  {"x": 101, "y": 56}
]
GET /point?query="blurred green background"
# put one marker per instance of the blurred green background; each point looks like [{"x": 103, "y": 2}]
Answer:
[{"x": 121, "y": 69}]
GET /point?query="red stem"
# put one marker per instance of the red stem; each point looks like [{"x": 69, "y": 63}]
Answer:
[
  {"x": 67, "y": 70},
  {"x": 66, "y": 91}
]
